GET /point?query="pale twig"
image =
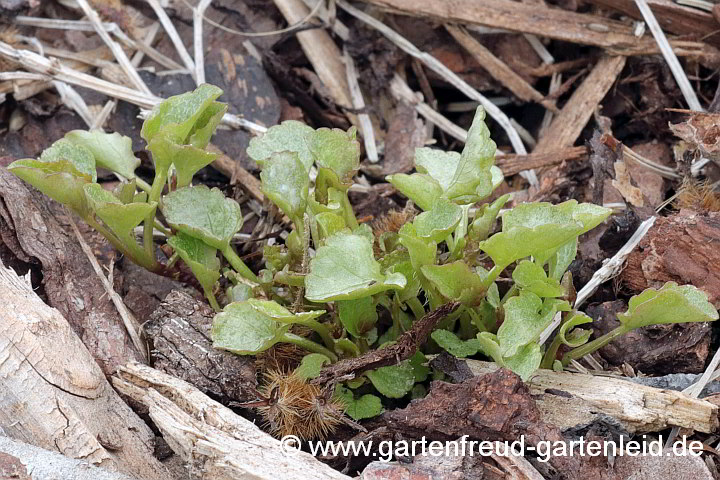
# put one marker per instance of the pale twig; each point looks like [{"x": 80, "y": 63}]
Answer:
[
  {"x": 131, "y": 324},
  {"x": 58, "y": 71},
  {"x": 402, "y": 91},
  {"x": 70, "y": 97},
  {"x": 116, "y": 49},
  {"x": 23, "y": 76},
  {"x": 198, "y": 15},
  {"x": 436, "y": 66},
  {"x": 366, "y": 127},
  {"x": 661, "y": 170},
  {"x": 338, "y": 28},
  {"x": 669, "y": 54},
  {"x": 173, "y": 34},
  {"x": 85, "y": 26}
]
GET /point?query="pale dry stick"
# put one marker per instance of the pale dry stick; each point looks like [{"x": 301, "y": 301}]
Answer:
[
  {"x": 701, "y": 4},
  {"x": 116, "y": 49},
  {"x": 661, "y": 170},
  {"x": 40, "y": 64},
  {"x": 539, "y": 48},
  {"x": 23, "y": 76},
  {"x": 198, "y": 15},
  {"x": 402, "y": 91},
  {"x": 610, "y": 268},
  {"x": 517, "y": 467},
  {"x": 74, "y": 101},
  {"x": 85, "y": 26},
  {"x": 173, "y": 34},
  {"x": 339, "y": 28},
  {"x": 358, "y": 103},
  {"x": 436, "y": 66},
  {"x": 137, "y": 59},
  {"x": 670, "y": 58},
  {"x": 129, "y": 320}
]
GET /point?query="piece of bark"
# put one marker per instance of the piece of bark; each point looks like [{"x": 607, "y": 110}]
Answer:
[
  {"x": 404, "y": 348},
  {"x": 55, "y": 396},
  {"x": 405, "y": 133},
  {"x": 683, "y": 248},
  {"x": 498, "y": 69},
  {"x": 568, "y": 400},
  {"x": 656, "y": 349},
  {"x": 513, "y": 164},
  {"x": 36, "y": 236},
  {"x": 525, "y": 18},
  {"x": 671, "y": 16},
  {"x": 567, "y": 126},
  {"x": 180, "y": 333},
  {"x": 495, "y": 406},
  {"x": 215, "y": 442},
  {"x": 20, "y": 461}
]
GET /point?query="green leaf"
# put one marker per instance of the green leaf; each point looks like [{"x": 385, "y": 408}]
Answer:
[
  {"x": 485, "y": 218},
  {"x": 420, "y": 188},
  {"x": 437, "y": 223},
  {"x": 120, "y": 218},
  {"x": 520, "y": 242},
  {"x": 243, "y": 329},
  {"x": 358, "y": 316},
  {"x": 188, "y": 160},
  {"x": 60, "y": 173},
  {"x": 669, "y": 304},
  {"x": 440, "y": 165},
  {"x": 125, "y": 191},
  {"x": 311, "y": 365},
  {"x": 472, "y": 180},
  {"x": 532, "y": 277},
  {"x": 367, "y": 406},
  {"x": 328, "y": 224},
  {"x": 562, "y": 259},
  {"x": 453, "y": 345},
  {"x": 456, "y": 281},
  {"x": 345, "y": 269},
  {"x": 285, "y": 181},
  {"x": 577, "y": 337},
  {"x": 203, "y": 213},
  {"x": 422, "y": 251},
  {"x": 337, "y": 151},
  {"x": 526, "y": 361},
  {"x": 111, "y": 150},
  {"x": 183, "y": 116},
  {"x": 418, "y": 362},
  {"x": 289, "y": 136},
  {"x": 281, "y": 314},
  {"x": 394, "y": 381},
  {"x": 199, "y": 256},
  {"x": 526, "y": 316}
]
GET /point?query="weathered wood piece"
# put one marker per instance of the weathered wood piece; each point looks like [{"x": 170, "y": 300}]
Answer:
[
  {"x": 214, "y": 441},
  {"x": 20, "y": 461},
  {"x": 572, "y": 399},
  {"x": 54, "y": 396}
]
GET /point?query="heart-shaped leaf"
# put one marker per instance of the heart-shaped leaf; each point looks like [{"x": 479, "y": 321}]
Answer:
[
  {"x": 438, "y": 222},
  {"x": 526, "y": 361},
  {"x": 199, "y": 256},
  {"x": 456, "y": 281},
  {"x": 358, "y": 316},
  {"x": 311, "y": 365},
  {"x": 669, "y": 304},
  {"x": 61, "y": 172},
  {"x": 188, "y": 160},
  {"x": 243, "y": 329},
  {"x": 367, "y": 406},
  {"x": 526, "y": 316},
  {"x": 420, "y": 188},
  {"x": 203, "y": 213},
  {"x": 345, "y": 269},
  {"x": 111, "y": 150},
  {"x": 289, "y": 136},
  {"x": 532, "y": 277},
  {"x": 519, "y": 242},
  {"x": 394, "y": 381},
  {"x": 449, "y": 342},
  {"x": 182, "y": 116},
  {"x": 336, "y": 151},
  {"x": 285, "y": 181},
  {"x": 119, "y": 217}
]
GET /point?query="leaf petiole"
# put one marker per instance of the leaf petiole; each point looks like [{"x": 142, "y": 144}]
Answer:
[
  {"x": 308, "y": 345},
  {"x": 239, "y": 266}
]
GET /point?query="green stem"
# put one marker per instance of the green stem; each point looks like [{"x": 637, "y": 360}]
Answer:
[
  {"x": 596, "y": 344},
  {"x": 239, "y": 265},
  {"x": 136, "y": 254},
  {"x": 291, "y": 279},
  {"x": 349, "y": 215},
  {"x": 551, "y": 354},
  {"x": 143, "y": 185},
  {"x": 493, "y": 274},
  {"x": 509, "y": 294},
  {"x": 157, "y": 185},
  {"x": 211, "y": 298},
  {"x": 320, "y": 329},
  {"x": 148, "y": 243},
  {"x": 309, "y": 345},
  {"x": 159, "y": 226},
  {"x": 416, "y": 307},
  {"x": 348, "y": 347}
]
